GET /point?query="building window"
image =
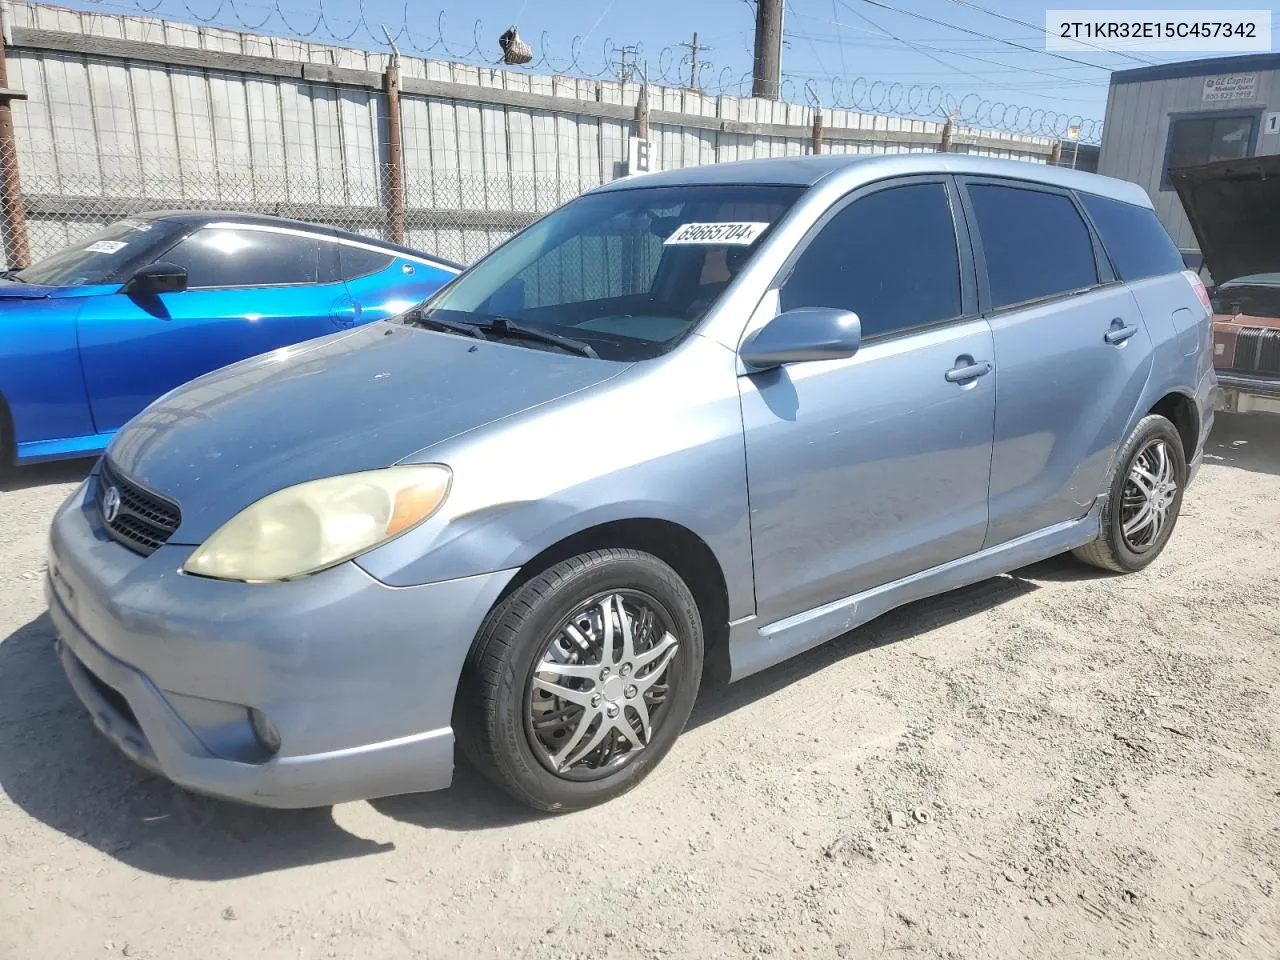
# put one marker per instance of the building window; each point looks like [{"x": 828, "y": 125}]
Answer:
[{"x": 1196, "y": 140}]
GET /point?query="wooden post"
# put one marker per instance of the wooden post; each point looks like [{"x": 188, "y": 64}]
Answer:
[
  {"x": 817, "y": 130},
  {"x": 395, "y": 153},
  {"x": 642, "y": 107},
  {"x": 947, "y": 130}
]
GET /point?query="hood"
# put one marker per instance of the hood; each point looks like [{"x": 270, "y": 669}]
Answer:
[
  {"x": 353, "y": 401},
  {"x": 17, "y": 290},
  {"x": 1232, "y": 207}
]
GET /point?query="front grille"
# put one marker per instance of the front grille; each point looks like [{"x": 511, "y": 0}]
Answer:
[
  {"x": 145, "y": 520},
  {"x": 1257, "y": 350}
]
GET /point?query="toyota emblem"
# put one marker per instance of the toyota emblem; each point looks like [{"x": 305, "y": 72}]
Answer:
[{"x": 111, "y": 505}]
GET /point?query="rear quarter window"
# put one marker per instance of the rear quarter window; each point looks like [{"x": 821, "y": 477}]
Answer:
[
  {"x": 361, "y": 261},
  {"x": 1136, "y": 241}
]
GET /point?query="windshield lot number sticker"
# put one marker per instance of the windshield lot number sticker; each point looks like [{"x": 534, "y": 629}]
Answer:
[
  {"x": 741, "y": 234},
  {"x": 105, "y": 246}
]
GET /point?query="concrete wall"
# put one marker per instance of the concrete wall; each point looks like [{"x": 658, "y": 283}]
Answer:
[
  {"x": 127, "y": 113},
  {"x": 1141, "y": 104}
]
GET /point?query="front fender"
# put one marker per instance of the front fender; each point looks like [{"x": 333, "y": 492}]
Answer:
[
  {"x": 40, "y": 374},
  {"x": 662, "y": 443}
]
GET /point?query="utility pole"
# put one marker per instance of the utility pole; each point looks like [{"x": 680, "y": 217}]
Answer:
[
  {"x": 693, "y": 59},
  {"x": 625, "y": 69},
  {"x": 766, "y": 75}
]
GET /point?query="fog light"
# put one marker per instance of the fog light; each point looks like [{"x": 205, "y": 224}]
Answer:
[{"x": 264, "y": 730}]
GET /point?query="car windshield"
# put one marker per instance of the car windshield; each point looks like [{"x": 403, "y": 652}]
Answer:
[
  {"x": 102, "y": 257},
  {"x": 626, "y": 272}
]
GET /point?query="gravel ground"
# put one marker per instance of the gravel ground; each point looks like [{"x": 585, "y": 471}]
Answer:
[{"x": 1051, "y": 764}]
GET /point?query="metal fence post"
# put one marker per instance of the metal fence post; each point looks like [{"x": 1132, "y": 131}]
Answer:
[{"x": 14, "y": 211}]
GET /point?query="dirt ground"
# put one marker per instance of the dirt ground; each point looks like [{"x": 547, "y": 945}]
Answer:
[{"x": 1055, "y": 763}]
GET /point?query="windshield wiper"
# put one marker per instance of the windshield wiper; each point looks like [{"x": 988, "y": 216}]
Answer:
[
  {"x": 506, "y": 327},
  {"x": 450, "y": 326}
]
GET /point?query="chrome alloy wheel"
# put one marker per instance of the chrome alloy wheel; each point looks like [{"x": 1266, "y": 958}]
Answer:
[
  {"x": 1149, "y": 492},
  {"x": 596, "y": 696}
]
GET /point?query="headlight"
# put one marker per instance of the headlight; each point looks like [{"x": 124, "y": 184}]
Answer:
[{"x": 305, "y": 529}]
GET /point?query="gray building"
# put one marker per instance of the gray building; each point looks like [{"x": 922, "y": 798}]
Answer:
[{"x": 1181, "y": 114}]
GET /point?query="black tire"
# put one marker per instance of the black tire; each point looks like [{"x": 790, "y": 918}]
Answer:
[
  {"x": 492, "y": 708},
  {"x": 1111, "y": 550}
]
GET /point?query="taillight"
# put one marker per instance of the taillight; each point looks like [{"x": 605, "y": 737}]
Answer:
[{"x": 1198, "y": 286}]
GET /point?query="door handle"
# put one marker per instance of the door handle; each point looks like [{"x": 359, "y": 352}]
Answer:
[
  {"x": 1119, "y": 332},
  {"x": 966, "y": 371}
]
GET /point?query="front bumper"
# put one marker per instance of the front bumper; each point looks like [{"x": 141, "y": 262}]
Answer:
[{"x": 358, "y": 677}]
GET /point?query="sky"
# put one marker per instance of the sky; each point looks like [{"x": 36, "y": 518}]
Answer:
[{"x": 881, "y": 56}]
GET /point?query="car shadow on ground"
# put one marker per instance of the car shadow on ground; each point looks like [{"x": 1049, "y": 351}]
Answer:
[
  {"x": 57, "y": 769},
  {"x": 1247, "y": 441},
  {"x": 14, "y": 479}
]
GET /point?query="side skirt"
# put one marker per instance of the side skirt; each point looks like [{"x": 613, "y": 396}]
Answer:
[
  {"x": 36, "y": 451},
  {"x": 753, "y": 648}
]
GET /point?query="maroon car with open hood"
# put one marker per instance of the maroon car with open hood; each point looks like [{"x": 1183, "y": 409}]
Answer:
[{"x": 1234, "y": 209}]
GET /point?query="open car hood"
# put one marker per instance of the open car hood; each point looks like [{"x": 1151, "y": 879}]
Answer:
[{"x": 1232, "y": 207}]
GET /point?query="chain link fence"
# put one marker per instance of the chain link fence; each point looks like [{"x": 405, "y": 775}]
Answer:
[{"x": 459, "y": 216}]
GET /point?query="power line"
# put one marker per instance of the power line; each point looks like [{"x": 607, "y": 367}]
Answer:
[
  {"x": 1005, "y": 67},
  {"x": 816, "y": 56},
  {"x": 1035, "y": 26},
  {"x": 973, "y": 33},
  {"x": 844, "y": 68},
  {"x": 917, "y": 47},
  {"x": 924, "y": 49}
]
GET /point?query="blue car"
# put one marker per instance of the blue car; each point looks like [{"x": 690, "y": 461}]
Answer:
[{"x": 94, "y": 333}]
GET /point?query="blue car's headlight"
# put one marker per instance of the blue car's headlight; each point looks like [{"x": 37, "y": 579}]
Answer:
[{"x": 304, "y": 529}]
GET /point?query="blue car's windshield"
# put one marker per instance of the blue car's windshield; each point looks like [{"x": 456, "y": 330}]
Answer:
[
  {"x": 627, "y": 272},
  {"x": 105, "y": 257}
]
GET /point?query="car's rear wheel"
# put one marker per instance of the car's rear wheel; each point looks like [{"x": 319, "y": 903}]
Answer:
[
  {"x": 580, "y": 681},
  {"x": 1143, "y": 501}
]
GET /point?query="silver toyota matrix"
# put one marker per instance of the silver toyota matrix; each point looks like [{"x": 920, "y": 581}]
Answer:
[{"x": 708, "y": 417}]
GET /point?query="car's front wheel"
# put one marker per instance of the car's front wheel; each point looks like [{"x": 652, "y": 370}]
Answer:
[
  {"x": 1143, "y": 501},
  {"x": 581, "y": 679}
]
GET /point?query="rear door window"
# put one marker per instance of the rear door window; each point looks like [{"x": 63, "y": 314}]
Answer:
[
  {"x": 1136, "y": 242},
  {"x": 890, "y": 257},
  {"x": 1035, "y": 243},
  {"x": 241, "y": 257}
]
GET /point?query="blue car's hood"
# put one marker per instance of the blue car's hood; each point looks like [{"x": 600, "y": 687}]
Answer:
[
  {"x": 355, "y": 401},
  {"x": 16, "y": 290}
]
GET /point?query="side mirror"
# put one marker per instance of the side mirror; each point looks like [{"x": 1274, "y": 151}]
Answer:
[
  {"x": 807, "y": 333},
  {"x": 157, "y": 278}
]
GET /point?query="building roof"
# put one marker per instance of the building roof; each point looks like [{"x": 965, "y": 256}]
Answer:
[
  {"x": 1206, "y": 67},
  {"x": 852, "y": 171}
]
